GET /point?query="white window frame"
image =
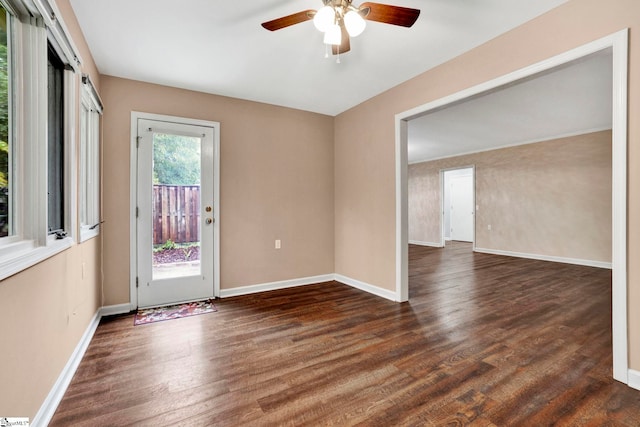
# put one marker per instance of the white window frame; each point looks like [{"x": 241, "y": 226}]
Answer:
[
  {"x": 34, "y": 24},
  {"x": 90, "y": 112}
]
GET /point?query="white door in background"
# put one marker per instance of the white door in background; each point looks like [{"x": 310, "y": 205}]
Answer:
[
  {"x": 191, "y": 277},
  {"x": 462, "y": 212}
]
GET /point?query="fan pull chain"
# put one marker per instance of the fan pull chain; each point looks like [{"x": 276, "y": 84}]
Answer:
[
  {"x": 326, "y": 50},
  {"x": 338, "y": 56}
]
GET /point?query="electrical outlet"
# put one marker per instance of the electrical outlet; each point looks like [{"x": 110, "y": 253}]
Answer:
[{"x": 278, "y": 244}]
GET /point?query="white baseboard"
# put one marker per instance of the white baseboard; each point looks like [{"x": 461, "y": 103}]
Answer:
[
  {"x": 433, "y": 244},
  {"x": 585, "y": 262},
  {"x": 366, "y": 287},
  {"x": 272, "y": 286},
  {"x": 111, "y": 310},
  {"x": 634, "y": 379},
  {"x": 50, "y": 404}
]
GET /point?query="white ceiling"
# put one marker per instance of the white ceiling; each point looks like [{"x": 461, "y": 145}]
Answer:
[
  {"x": 570, "y": 100},
  {"x": 219, "y": 47}
]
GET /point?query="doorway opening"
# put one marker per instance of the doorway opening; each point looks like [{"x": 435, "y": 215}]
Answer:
[
  {"x": 617, "y": 45},
  {"x": 458, "y": 205}
]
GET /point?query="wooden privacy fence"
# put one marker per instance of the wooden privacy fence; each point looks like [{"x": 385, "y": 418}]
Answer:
[{"x": 176, "y": 213}]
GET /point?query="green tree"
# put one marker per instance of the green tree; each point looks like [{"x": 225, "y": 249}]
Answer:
[
  {"x": 4, "y": 118},
  {"x": 4, "y": 102},
  {"x": 176, "y": 160},
  {"x": 4, "y": 127}
]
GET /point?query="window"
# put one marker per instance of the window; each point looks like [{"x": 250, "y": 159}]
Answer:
[
  {"x": 6, "y": 180},
  {"x": 90, "y": 110},
  {"x": 55, "y": 144},
  {"x": 38, "y": 91}
]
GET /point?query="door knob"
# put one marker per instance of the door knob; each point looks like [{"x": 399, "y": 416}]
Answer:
[{"x": 208, "y": 221}]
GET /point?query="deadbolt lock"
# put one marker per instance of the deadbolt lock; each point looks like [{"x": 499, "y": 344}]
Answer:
[{"x": 208, "y": 208}]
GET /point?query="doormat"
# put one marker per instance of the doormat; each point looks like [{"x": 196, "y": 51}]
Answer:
[{"x": 151, "y": 315}]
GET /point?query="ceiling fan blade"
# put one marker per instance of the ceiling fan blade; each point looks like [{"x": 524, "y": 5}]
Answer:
[
  {"x": 345, "y": 46},
  {"x": 288, "y": 20},
  {"x": 394, "y": 15}
]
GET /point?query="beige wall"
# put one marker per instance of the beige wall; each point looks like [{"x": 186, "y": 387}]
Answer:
[
  {"x": 276, "y": 182},
  {"x": 46, "y": 308},
  {"x": 45, "y": 311},
  {"x": 550, "y": 198},
  {"x": 364, "y": 140}
]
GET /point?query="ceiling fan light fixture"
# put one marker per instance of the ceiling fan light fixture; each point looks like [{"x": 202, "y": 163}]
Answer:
[
  {"x": 355, "y": 23},
  {"x": 340, "y": 20},
  {"x": 333, "y": 35},
  {"x": 324, "y": 18}
]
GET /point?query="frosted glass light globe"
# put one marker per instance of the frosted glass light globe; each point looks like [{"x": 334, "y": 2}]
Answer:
[
  {"x": 355, "y": 23},
  {"x": 333, "y": 35},
  {"x": 324, "y": 18}
]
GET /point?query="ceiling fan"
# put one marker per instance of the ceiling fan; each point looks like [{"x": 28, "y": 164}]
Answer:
[{"x": 339, "y": 20}]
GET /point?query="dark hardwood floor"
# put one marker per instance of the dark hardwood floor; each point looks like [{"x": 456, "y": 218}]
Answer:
[{"x": 485, "y": 340}]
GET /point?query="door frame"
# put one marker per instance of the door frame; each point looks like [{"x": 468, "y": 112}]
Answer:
[
  {"x": 442, "y": 207},
  {"x": 133, "y": 199},
  {"x": 618, "y": 42}
]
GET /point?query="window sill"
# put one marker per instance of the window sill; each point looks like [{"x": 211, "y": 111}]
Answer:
[
  {"x": 19, "y": 256},
  {"x": 86, "y": 233}
]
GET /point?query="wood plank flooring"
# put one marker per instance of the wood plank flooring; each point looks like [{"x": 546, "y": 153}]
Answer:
[{"x": 485, "y": 341}]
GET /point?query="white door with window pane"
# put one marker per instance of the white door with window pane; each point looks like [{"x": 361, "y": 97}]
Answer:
[{"x": 175, "y": 215}]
